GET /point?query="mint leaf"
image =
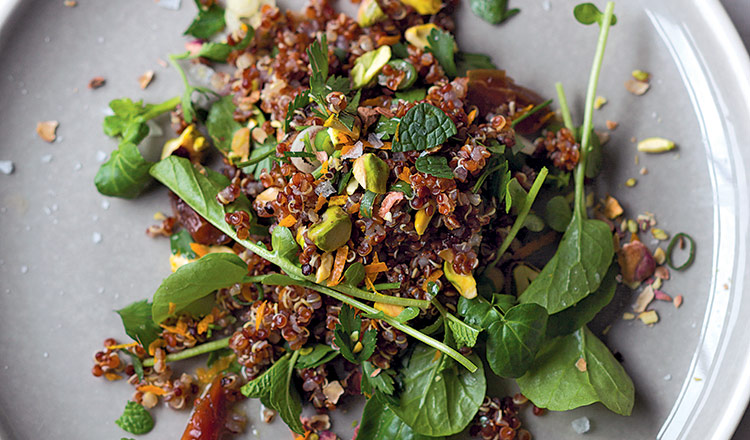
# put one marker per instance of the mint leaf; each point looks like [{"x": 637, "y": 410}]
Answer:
[
  {"x": 135, "y": 419},
  {"x": 275, "y": 390},
  {"x": 124, "y": 174},
  {"x": 221, "y": 125},
  {"x": 423, "y": 126},
  {"x": 136, "y": 318},
  {"x": 208, "y": 22},
  {"x": 441, "y": 43},
  {"x": 435, "y": 166}
]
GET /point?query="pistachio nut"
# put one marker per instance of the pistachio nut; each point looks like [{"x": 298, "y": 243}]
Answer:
[
  {"x": 368, "y": 65},
  {"x": 332, "y": 231},
  {"x": 369, "y": 13},
  {"x": 465, "y": 284},
  {"x": 425, "y": 7},
  {"x": 371, "y": 172},
  {"x": 190, "y": 141},
  {"x": 655, "y": 145},
  {"x": 417, "y": 35},
  {"x": 422, "y": 220}
]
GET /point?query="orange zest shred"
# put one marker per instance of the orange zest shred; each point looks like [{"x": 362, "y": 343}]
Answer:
[
  {"x": 434, "y": 276},
  {"x": 353, "y": 209},
  {"x": 388, "y": 145},
  {"x": 112, "y": 376},
  {"x": 320, "y": 203},
  {"x": 172, "y": 307},
  {"x": 324, "y": 167},
  {"x": 338, "y": 200},
  {"x": 181, "y": 329},
  {"x": 338, "y": 265},
  {"x": 152, "y": 389},
  {"x": 473, "y": 114},
  {"x": 375, "y": 268},
  {"x": 305, "y": 436},
  {"x": 259, "y": 314},
  {"x": 405, "y": 175},
  {"x": 370, "y": 284},
  {"x": 157, "y": 343},
  {"x": 388, "y": 40},
  {"x": 119, "y": 346},
  {"x": 204, "y": 323},
  {"x": 288, "y": 221},
  {"x": 199, "y": 249},
  {"x": 206, "y": 375},
  {"x": 546, "y": 117}
]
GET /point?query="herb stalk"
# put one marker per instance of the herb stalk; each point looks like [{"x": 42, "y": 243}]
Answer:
[{"x": 192, "y": 352}]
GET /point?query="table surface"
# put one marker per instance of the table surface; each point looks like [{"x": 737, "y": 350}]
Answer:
[{"x": 739, "y": 12}]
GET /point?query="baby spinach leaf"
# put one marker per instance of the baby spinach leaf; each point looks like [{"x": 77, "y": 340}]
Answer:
[
  {"x": 435, "y": 166},
  {"x": 441, "y": 43},
  {"x": 208, "y": 21},
  {"x": 221, "y": 124},
  {"x": 556, "y": 383},
  {"x": 595, "y": 157},
  {"x": 492, "y": 11},
  {"x": 318, "y": 355},
  {"x": 412, "y": 95},
  {"x": 513, "y": 342},
  {"x": 588, "y": 13},
  {"x": 179, "y": 243},
  {"x": 355, "y": 345},
  {"x": 196, "y": 280},
  {"x": 574, "y": 317},
  {"x": 135, "y": 419},
  {"x": 439, "y": 397},
  {"x": 477, "y": 312},
  {"x": 276, "y": 391},
  {"x": 380, "y": 423},
  {"x": 558, "y": 213},
  {"x": 220, "y": 51},
  {"x": 423, "y": 126},
  {"x": 577, "y": 268},
  {"x": 136, "y": 318},
  {"x": 124, "y": 174},
  {"x": 376, "y": 381},
  {"x": 466, "y": 61}
]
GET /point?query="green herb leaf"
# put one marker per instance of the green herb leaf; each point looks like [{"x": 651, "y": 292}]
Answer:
[
  {"x": 423, "y": 126},
  {"x": 318, "y": 355},
  {"x": 435, "y": 166},
  {"x": 504, "y": 302},
  {"x": 276, "y": 391},
  {"x": 354, "y": 274},
  {"x": 463, "y": 334},
  {"x": 403, "y": 187},
  {"x": 221, "y": 124},
  {"x": 124, "y": 174},
  {"x": 179, "y": 243},
  {"x": 513, "y": 342},
  {"x": 441, "y": 43},
  {"x": 558, "y": 214},
  {"x": 477, "y": 312},
  {"x": 128, "y": 121},
  {"x": 515, "y": 196},
  {"x": 493, "y": 11},
  {"x": 412, "y": 95},
  {"x": 283, "y": 243},
  {"x": 220, "y": 51},
  {"x": 466, "y": 61},
  {"x": 195, "y": 281},
  {"x": 317, "y": 53},
  {"x": 298, "y": 103},
  {"x": 208, "y": 22},
  {"x": 554, "y": 382},
  {"x": 135, "y": 419},
  {"x": 387, "y": 127},
  {"x": 438, "y": 398},
  {"x": 135, "y": 360},
  {"x": 348, "y": 336},
  {"x": 380, "y": 423},
  {"x": 366, "y": 203},
  {"x": 588, "y": 13},
  {"x": 381, "y": 382},
  {"x": 407, "y": 314},
  {"x": 136, "y": 318}
]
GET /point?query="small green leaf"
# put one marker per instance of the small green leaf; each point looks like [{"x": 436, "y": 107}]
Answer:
[
  {"x": 283, "y": 243},
  {"x": 463, "y": 334},
  {"x": 441, "y": 43},
  {"x": 386, "y": 127},
  {"x": 318, "y": 355},
  {"x": 477, "y": 312},
  {"x": 125, "y": 174},
  {"x": 435, "y": 166},
  {"x": 492, "y": 11},
  {"x": 588, "y": 13},
  {"x": 558, "y": 213},
  {"x": 220, "y": 51},
  {"x": 135, "y": 360},
  {"x": 221, "y": 124},
  {"x": 423, "y": 126},
  {"x": 472, "y": 61},
  {"x": 513, "y": 342},
  {"x": 135, "y": 419},
  {"x": 208, "y": 22},
  {"x": 366, "y": 203},
  {"x": 179, "y": 243},
  {"x": 348, "y": 335},
  {"x": 412, "y": 95},
  {"x": 402, "y": 187},
  {"x": 374, "y": 380},
  {"x": 354, "y": 274},
  {"x": 380, "y": 423},
  {"x": 136, "y": 318},
  {"x": 298, "y": 103}
]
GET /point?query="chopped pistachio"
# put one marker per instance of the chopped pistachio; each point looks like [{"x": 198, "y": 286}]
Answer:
[
  {"x": 640, "y": 75},
  {"x": 612, "y": 208},
  {"x": 649, "y": 317},
  {"x": 659, "y": 234},
  {"x": 465, "y": 284},
  {"x": 644, "y": 299},
  {"x": 333, "y": 122},
  {"x": 632, "y": 226},
  {"x": 635, "y": 87},
  {"x": 656, "y": 285},
  {"x": 655, "y": 145},
  {"x": 372, "y": 173},
  {"x": 581, "y": 364},
  {"x": 190, "y": 139},
  {"x": 369, "y": 13},
  {"x": 368, "y": 65},
  {"x": 628, "y": 316},
  {"x": 630, "y": 182},
  {"x": 324, "y": 270},
  {"x": 422, "y": 220},
  {"x": 300, "y": 237},
  {"x": 425, "y": 7},
  {"x": 660, "y": 256},
  {"x": 417, "y": 35},
  {"x": 240, "y": 147},
  {"x": 332, "y": 231},
  {"x": 599, "y": 102},
  {"x": 352, "y": 186}
]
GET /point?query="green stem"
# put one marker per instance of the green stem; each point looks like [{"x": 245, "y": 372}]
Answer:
[
  {"x": 253, "y": 161},
  {"x": 535, "y": 109},
  {"x": 387, "y": 286},
  {"x": 377, "y": 297},
  {"x": 483, "y": 177},
  {"x": 588, "y": 115},
  {"x": 192, "y": 352},
  {"x": 158, "y": 109},
  {"x": 564, "y": 109},
  {"x": 524, "y": 212},
  {"x": 173, "y": 61}
]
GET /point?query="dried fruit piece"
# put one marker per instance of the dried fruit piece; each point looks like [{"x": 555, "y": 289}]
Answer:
[
  {"x": 96, "y": 82},
  {"x": 145, "y": 79},
  {"x": 655, "y": 145},
  {"x": 333, "y": 230},
  {"x": 389, "y": 309},
  {"x": 659, "y": 234},
  {"x": 677, "y": 301},
  {"x": 612, "y": 208},
  {"x": 636, "y": 87},
  {"x": 636, "y": 263},
  {"x": 47, "y": 130},
  {"x": 581, "y": 364},
  {"x": 611, "y": 125}
]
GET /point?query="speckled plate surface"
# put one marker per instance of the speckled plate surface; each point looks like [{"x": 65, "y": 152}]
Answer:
[{"x": 70, "y": 256}]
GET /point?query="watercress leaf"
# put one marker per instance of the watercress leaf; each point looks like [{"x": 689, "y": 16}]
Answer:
[
  {"x": 318, "y": 355},
  {"x": 136, "y": 318},
  {"x": 588, "y": 13},
  {"x": 179, "y": 243},
  {"x": 375, "y": 379},
  {"x": 412, "y": 95},
  {"x": 477, "y": 312},
  {"x": 577, "y": 268},
  {"x": 135, "y": 419},
  {"x": 354, "y": 274},
  {"x": 435, "y": 166},
  {"x": 125, "y": 112},
  {"x": 466, "y": 61},
  {"x": 558, "y": 214},
  {"x": 208, "y": 22},
  {"x": 135, "y": 132},
  {"x": 194, "y": 281},
  {"x": 492, "y": 11},
  {"x": 574, "y": 317},
  {"x": 380, "y": 423},
  {"x": 298, "y": 103},
  {"x": 125, "y": 174},
  {"x": 513, "y": 342},
  {"x": 464, "y": 334},
  {"x": 220, "y": 51},
  {"x": 504, "y": 302},
  {"x": 423, "y": 126},
  {"x": 135, "y": 361},
  {"x": 441, "y": 43},
  {"x": 276, "y": 390},
  {"x": 221, "y": 124},
  {"x": 439, "y": 397},
  {"x": 556, "y": 383},
  {"x": 283, "y": 243}
]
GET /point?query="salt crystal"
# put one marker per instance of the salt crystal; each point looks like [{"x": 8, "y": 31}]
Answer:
[
  {"x": 95, "y": 218},
  {"x": 77, "y": 166},
  {"x": 668, "y": 377},
  {"x": 6, "y": 167},
  {"x": 100, "y": 40},
  {"x": 96, "y": 237},
  {"x": 170, "y": 4},
  {"x": 100, "y": 290},
  {"x": 24, "y": 269},
  {"x": 105, "y": 204},
  {"x": 47, "y": 210},
  {"x": 101, "y": 156},
  {"x": 325, "y": 189},
  {"x": 54, "y": 207},
  {"x": 47, "y": 158},
  {"x": 581, "y": 426},
  {"x": 546, "y": 5},
  {"x": 45, "y": 354}
]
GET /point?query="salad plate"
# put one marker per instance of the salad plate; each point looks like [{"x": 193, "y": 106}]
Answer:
[{"x": 71, "y": 256}]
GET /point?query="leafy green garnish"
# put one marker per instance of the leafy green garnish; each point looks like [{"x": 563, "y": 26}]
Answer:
[
  {"x": 208, "y": 22},
  {"x": 355, "y": 345},
  {"x": 466, "y": 61},
  {"x": 366, "y": 203},
  {"x": 135, "y": 419},
  {"x": 478, "y": 312},
  {"x": 354, "y": 274},
  {"x": 220, "y": 51},
  {"x": 277, "y": 391},
  {"x": 588, "y": 13},
  {"x": 435, "y": 166},
  {"x": 558, "y": 213},
  {"x": 556, "y": 381},
  {"x": 124, "y": 174},
  {"x": 381, "y": 382},
  {"x": 221, "y": 124},
  {"x": 179, "y": 244},
  {"x": 194, "y": 281},
  {"x": 423, "y": 126},
  {"x": 492, "y": 11},
  {"x": 136, "y": 318},
  {"x": 380, "y": 423},
  {"x": 386, "y": 127},
  {"x": 441, "y": 44},
  {"x": 513, "y": 341},
  {"x": 128, "y": 123},
  {"x": 136, "y": 361},
  {"x": 411, "y": 95},
  {"x": 299, "y": 102},
  {"x": 318, "y": 355}
]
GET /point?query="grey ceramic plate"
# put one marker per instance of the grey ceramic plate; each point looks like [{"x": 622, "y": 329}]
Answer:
[{"x": 59, "y": 285}]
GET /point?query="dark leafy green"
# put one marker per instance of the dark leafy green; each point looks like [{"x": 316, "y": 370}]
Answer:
[
  {"x": 477, "y": 312},
  {"x": 556, "y": 383},
  {"x": 208, "y": 22},
  {"x": 492, "y": 11},
  {"x": 387, "y": 127},
  {"x": 128, "y": 121},
  {"x": 195, "y": 281},
  {"x": 514, "y": 341},
  {"x": 354, "y": 274},
  {"x": 221, "y": 124},
  {"x": 179, "y": 243},
  {"x": 558, "y": 214},
  {"x": 135, "y": 419},
  {"x": 298, "y": 103},
  {"x": 375, "y": 379},
  {"x": 441, "y": 43},
  {"x": 136, "y": 318},
  {"x": 355, "y": 345},
  {"x": 423, "y": 126},
  {"x": 380, "y": 423},
  {"x": 276, "y": 390},
  {"x": 124, "y": 174},
  {"x": 435, "y": 166}
]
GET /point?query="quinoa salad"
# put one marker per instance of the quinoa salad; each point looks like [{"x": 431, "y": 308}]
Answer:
[{"x": 361, "y": 207}]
